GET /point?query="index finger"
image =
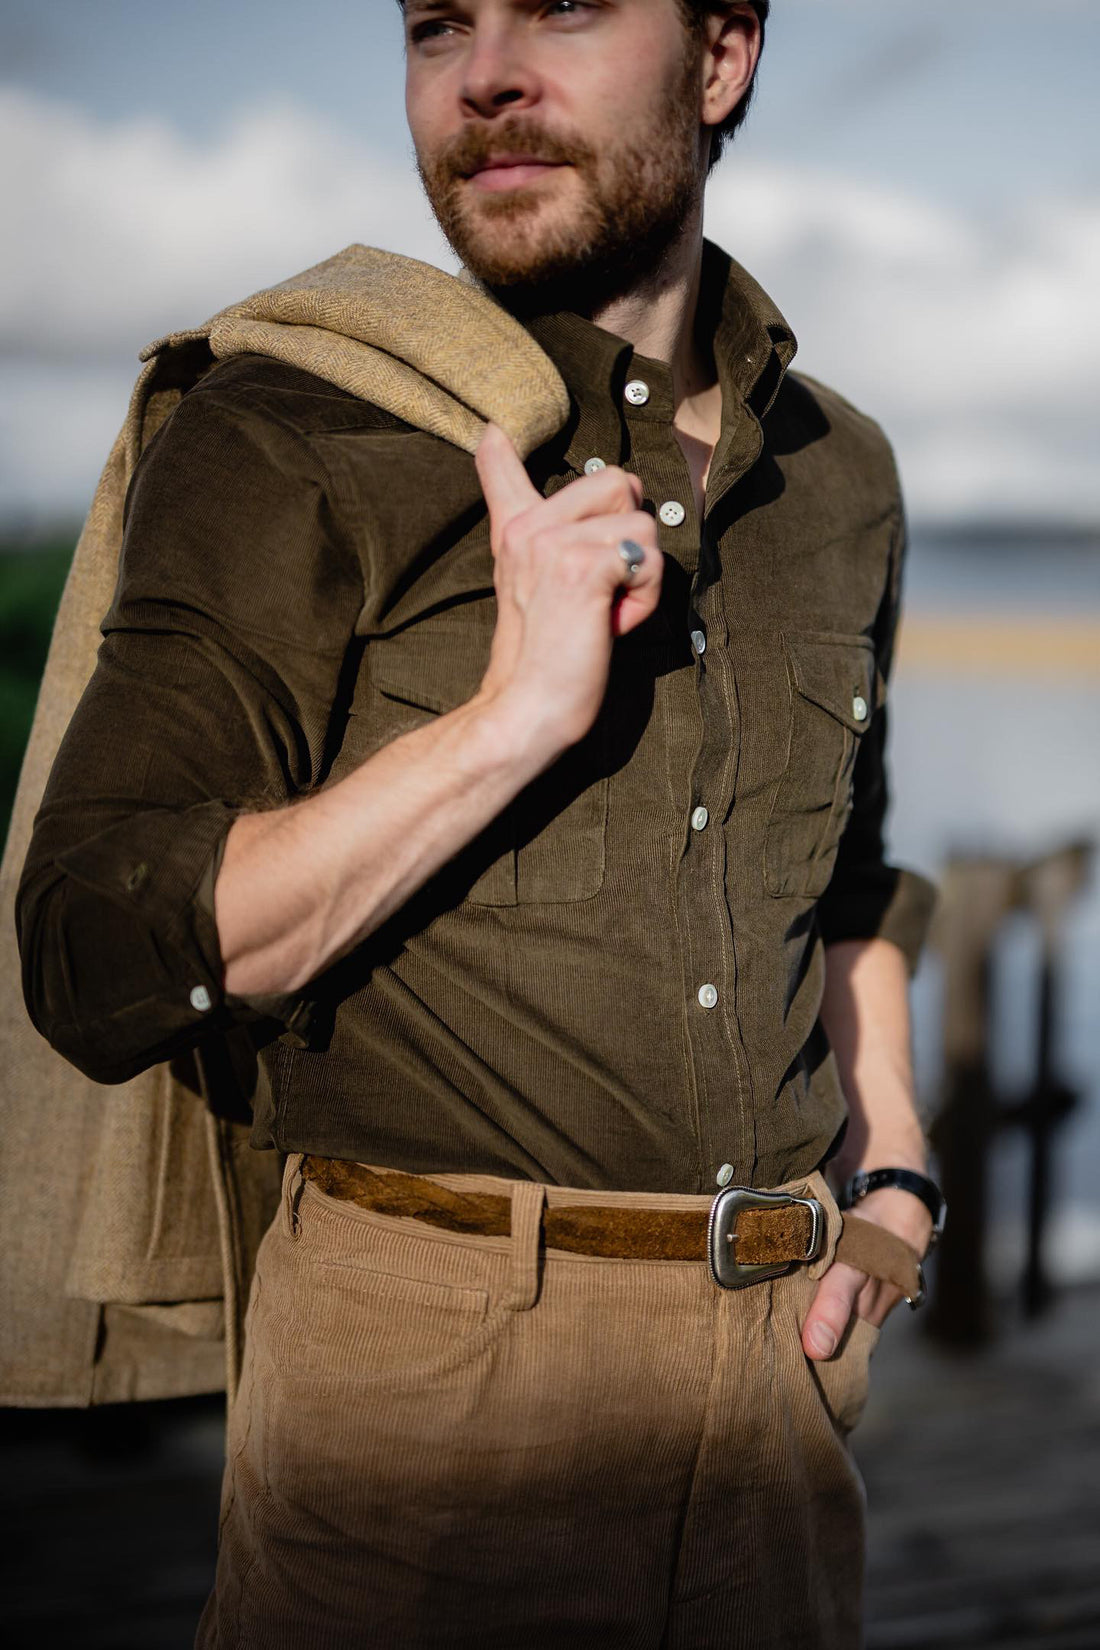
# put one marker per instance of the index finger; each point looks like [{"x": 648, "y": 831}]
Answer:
[
  {"x": 507, "y": 487},
  {"x": 607, "y": 492}
]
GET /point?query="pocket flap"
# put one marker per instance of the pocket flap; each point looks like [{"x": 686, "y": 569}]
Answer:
[
  {"x": 836, "y": 672},
  {"x": 437, "y": 663}
]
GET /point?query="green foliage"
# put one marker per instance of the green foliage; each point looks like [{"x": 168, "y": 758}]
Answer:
[{"x": 31, "y": 581}]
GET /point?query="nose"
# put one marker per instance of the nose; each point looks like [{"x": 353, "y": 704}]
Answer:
[{"x": 497, "y": 75}]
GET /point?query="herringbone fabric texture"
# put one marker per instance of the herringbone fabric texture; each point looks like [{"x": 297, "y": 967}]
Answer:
[{"x": 114, "y": 1198}]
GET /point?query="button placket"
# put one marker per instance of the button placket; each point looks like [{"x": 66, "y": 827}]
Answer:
[
  {"x": 718, "y": 1115},
  {"x": 717, "y": 1040}
]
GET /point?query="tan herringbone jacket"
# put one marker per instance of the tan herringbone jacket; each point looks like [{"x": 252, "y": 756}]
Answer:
[{"x": 132, "y": 1214}]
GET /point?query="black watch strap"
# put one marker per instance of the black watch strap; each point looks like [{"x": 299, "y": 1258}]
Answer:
[{"x": 906, "y": 1180}]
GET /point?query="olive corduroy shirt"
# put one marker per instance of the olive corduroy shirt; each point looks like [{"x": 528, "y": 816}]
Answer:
[{"x": 617, "y": 984}]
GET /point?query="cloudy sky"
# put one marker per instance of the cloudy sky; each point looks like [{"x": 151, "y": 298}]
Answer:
[{"x": 919, "y": 189}]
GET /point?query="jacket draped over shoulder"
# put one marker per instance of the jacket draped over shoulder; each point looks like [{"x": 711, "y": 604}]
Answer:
[{"x": 133, "y": 1212}]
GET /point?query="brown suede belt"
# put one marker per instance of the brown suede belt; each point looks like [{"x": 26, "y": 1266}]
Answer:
[{"x": 765, "y": 1237}]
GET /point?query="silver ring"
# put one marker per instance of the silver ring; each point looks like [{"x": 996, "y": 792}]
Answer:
[{"x": 633, "y": 556}]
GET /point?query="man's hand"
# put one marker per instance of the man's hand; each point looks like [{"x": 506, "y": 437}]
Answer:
[
  {"x": 563, "y": 591},
  {"x": 843, "y": 1290}
]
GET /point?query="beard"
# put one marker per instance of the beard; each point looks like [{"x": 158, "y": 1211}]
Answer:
[{"x": 592, "y": 244}]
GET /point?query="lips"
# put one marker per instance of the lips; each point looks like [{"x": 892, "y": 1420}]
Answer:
[{"x": 511, "y": 171}]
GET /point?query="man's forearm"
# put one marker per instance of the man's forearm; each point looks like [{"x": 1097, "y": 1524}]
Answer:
[
  {"x": 300, "y": 887},
  {"x": 865, "y": 1012}
]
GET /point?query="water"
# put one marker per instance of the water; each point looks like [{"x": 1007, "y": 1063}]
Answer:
[{"x": 997, "y": 752}]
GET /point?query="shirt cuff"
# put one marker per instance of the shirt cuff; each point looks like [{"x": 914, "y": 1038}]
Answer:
[
  {"x": 159, "y": 868},
  {"x": 293, "y": 1010},
  {"x": 883, "y": 903}
]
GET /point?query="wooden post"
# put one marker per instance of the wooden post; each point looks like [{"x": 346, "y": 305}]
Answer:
[
  {"x": 1049, "y": 887},
  {"x": 978, "y": 893},
  {"x": 976, "y": 896}
]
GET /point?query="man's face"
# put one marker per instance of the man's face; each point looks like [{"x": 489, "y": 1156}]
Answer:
[{"x": 558, "y": 140}]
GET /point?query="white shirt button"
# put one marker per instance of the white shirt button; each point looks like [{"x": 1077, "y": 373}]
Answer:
[
  {"x": 859, "y": 708},
  {"x": 725, "y": 1174},
  {"x": 200, "y": 998},
  {"x": 591, "y": 465},
  {"x": 637, "y": 392},
  {"x": 708, "y": 996},
  {"x": 672, "y": 513},
  {"x": 699, "y": 642},
  {"x": 700, "y": 819}
]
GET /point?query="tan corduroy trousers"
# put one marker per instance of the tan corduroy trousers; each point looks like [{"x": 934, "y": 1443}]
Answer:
[{"x": 442, "y": 1439}]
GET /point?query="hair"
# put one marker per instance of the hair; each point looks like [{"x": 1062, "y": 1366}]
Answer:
[{"x": 695, "y": 14}]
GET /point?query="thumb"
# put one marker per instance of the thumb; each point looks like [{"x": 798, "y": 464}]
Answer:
[
  {"x": 507, "y": 487},
  {"x": 833, "y": 1304}
]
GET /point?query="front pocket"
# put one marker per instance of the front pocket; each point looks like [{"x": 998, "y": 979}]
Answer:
[
  {"x": 832, "y": 698},
  {"x": 844, "y": 1379},
  {"x": 548, "y": 845},
  {"x": 375, "y": 1305}
]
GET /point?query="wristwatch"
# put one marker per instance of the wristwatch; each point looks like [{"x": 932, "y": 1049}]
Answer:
[{"x": 906, "y": 1180}]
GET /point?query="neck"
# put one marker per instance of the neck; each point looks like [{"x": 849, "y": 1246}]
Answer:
[{"x": 657, "y": 315}]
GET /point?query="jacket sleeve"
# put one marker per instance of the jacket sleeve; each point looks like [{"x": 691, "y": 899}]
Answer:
[
  {"x": 867, "y": 898},
  {"x": 213, "y": 694}
]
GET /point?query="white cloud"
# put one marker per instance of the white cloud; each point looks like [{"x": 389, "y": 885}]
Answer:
[
  {"x": 958, "y": 312},
  {"x": 977, "y": 343},
  {"x": 121, "y": 232}
]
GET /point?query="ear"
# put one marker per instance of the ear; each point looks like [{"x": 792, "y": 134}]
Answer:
[{"x": 731, "y": 53}]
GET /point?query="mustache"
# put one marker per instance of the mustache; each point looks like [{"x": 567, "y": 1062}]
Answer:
[{"x": 473, "y": 148}]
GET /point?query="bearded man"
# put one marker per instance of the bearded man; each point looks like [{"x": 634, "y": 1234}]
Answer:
[{"x": 563, "y": 871}]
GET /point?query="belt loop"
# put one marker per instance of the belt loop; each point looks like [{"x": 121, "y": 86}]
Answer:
[
  {"x": 817, "y": 1186},
  {"x": 293, "y": 1182},
  {"x": 528, "y": 1198}
]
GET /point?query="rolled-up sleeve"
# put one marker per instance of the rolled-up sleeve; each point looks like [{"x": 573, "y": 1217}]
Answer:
[
  {"x": 868, "y": 898},
  {"x": 214, "y": 694}
]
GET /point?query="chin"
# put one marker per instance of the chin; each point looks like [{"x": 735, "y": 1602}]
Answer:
[
  {"x": 514, "y": 236},
  {"x": 515, "y": 251}
]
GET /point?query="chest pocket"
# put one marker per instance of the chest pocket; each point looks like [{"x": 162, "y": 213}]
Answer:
[
  {"x": 549, "y": 844},
  {"x": 833, "y": 696}
]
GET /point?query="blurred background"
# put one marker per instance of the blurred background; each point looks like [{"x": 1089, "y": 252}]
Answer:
[{"x": 918, "y": 189}]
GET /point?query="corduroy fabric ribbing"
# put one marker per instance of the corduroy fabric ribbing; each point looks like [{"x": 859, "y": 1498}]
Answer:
[
  {"x": 624, "y": 1457},
  {"x": 305, "y": 579}
]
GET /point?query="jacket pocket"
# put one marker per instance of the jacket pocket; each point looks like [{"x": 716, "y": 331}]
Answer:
[
  {"x": 549, "y": 844},
  {"x": 833, "y": 694}
]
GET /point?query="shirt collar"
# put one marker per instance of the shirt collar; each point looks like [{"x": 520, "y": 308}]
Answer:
[{"x": 753, "y": 347}]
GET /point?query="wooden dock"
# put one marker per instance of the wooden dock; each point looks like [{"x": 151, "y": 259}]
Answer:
[
  {"x": 982, "y": 1472},
  {"x": 983, "y": 1485}
]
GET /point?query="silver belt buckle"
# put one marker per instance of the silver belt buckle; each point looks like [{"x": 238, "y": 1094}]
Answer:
[{"x": 722, "y": 1237}]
